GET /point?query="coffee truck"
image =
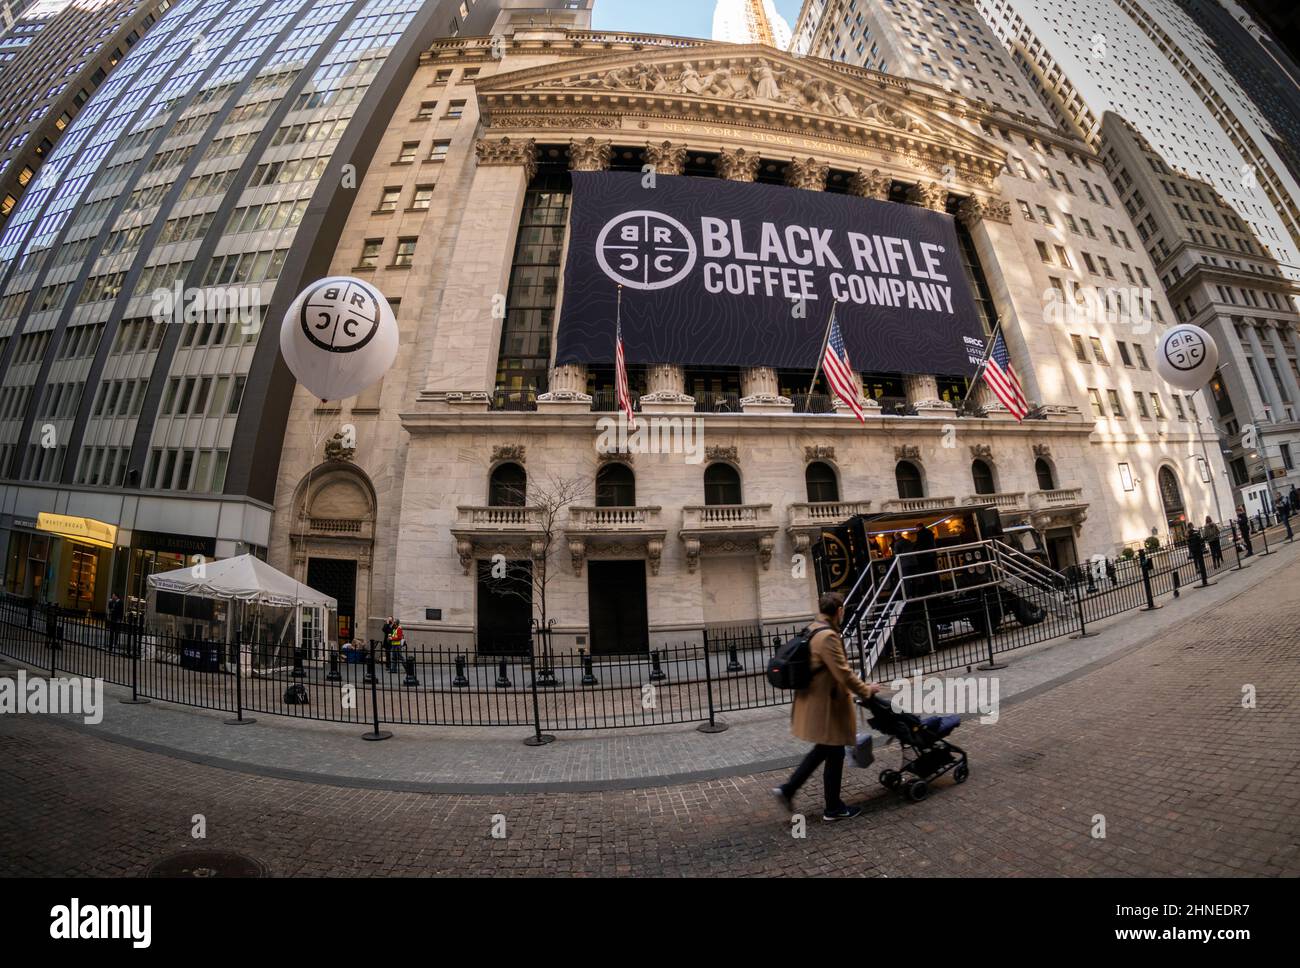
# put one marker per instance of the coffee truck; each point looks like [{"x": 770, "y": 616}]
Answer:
[{"x": 955, "y": 580}]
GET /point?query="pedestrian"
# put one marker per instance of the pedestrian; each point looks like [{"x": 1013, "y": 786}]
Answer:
[
  {"x": 1210, "y": 535},
  {"x": 1196, "y": 550},
  {"x": 1243, "y": 528},
  {"x": 114, "y": 613},
  {"x": 823, "y": 714},
  {"x": 396, "y": 639},
  {"x": 388, "y": 639}
]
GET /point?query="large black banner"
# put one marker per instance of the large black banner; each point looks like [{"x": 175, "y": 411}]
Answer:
[{"x": 718, "y": 272}]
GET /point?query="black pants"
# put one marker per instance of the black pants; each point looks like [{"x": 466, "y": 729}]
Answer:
[{"x": 833, "y": 757}]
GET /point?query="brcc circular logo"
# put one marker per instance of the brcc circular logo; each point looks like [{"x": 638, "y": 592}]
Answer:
[
  {"x": 645, "y": 250},
  {"x": 340, "y": 317},
  {"x": 1185, "y": 350}
]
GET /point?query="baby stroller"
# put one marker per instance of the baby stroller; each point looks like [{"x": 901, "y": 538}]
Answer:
[{"x": 922, "y": 739}]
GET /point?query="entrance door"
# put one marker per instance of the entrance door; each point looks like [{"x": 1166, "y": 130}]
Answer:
[
  {"x": 505, "y": 609},
  {"x": 1171, "y": 496},
  {"x": 617, "y": 606},
  {"x": 337, "y": 577},
  {"x": 1061, "y": 552}
]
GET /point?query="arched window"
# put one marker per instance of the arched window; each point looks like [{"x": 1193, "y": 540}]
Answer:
[
  {"x": 1046, "y": 477},
  {"x": 822, "y": 485},
  {"x": 908, "y": 476},
  {"x": 1170, "y": 493},
  {"x": 615, "y": 486},
  {"x": 508, "y": 487},
  {"x": 982, "y": 474},
  {"x": 721, "y": 484}
]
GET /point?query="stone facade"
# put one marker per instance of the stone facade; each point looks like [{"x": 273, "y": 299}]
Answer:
[{"x": 428, "y": 441}]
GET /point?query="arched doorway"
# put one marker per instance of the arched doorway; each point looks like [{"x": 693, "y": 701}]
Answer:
[
  {"x": 333, "y": 541},
  {"x": 1171, "y": 496}
]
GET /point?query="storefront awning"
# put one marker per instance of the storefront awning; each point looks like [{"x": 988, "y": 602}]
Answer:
[{"x": 86, "y": 530}]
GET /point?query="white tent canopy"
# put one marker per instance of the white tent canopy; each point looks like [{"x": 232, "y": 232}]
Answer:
[{"x": 244, "y": 578}]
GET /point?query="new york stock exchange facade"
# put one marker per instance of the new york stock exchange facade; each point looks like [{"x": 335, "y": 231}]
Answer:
[{"x": 733, "y": 192}]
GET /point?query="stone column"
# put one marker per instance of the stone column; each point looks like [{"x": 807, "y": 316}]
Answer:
[
  {"x": 666, "y": 382},
  {"x": 758, "y": 385},
  {"x": 463, "y": 351},
  {"x": 568, "y": 382},
  {"x": 1272, "y": 394},
  {"x": 1289, "y": 382},
  {"x": 928, "y": 194},
  {"x": 1014, "y": 291},
  {"x": 810, "y": 175}
]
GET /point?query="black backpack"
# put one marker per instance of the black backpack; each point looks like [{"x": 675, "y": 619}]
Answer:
[{"x": 791, "y": 664}]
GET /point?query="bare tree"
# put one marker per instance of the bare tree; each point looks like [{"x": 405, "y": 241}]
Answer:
[{"x": 546, "y": 502}]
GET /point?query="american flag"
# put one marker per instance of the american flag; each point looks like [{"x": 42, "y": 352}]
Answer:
[
  {"x": 1001, "y": 377},
  {"x": 839, "y": 371},
  {"x": 620, "y": 366}
]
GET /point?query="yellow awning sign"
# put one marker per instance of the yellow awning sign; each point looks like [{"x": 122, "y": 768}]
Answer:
[{"x": 89, "y": 530}]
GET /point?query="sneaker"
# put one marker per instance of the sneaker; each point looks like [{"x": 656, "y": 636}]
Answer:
[
  {"x": 783, "y": 798},
  {"x": 843, "y": 813}
]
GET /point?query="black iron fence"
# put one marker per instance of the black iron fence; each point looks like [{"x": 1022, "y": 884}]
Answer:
[{"x": 719, "y": 670}]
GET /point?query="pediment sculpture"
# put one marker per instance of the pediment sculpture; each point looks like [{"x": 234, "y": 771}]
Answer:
[{"x": 758, "y": 81}]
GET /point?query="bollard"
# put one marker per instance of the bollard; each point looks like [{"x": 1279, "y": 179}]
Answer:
[
  {"x": 370, "y": 678},
  {"x": 734, "y": 665},
  {"x": 239, "y": 719},
  {"x": 656, "y": 671},
  {"x": 988, "y": 633},
  {"x": 409, "y": 665},
  {"x": 298, "y": 671},
  {"x": 375, "y": 734},
  {"x": 1178, "y": 582},
  {"x": 1083, "y": 632},
  {"x": 1236, "y": 549},
  {"x": 334, "y": 675},
  {"x": 460, "y": 682},
  {"x": 713, "y": 725},
  {"x": 588, "y": 678},
  {"x": 1264, "y": 534},
  {"x": 133, "y": 643},
  {"x": 1145, "y": 564},
  {"x": 503, "y": 680}
]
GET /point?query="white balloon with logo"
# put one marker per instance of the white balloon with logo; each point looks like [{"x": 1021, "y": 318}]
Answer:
[
  {"x": 1187, "y": 357},
  {"x": 339, "y": 337}
]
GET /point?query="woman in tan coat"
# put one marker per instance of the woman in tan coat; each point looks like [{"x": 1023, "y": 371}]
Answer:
[{"x": 823, "y": 714}]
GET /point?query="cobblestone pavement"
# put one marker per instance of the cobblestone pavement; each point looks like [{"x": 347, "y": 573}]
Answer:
[{"x": 1156, "y": 742}]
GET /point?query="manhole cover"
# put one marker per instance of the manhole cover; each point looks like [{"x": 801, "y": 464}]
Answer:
[{"x": 207, "y": 863}]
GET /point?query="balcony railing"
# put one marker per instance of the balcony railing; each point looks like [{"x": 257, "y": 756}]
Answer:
[
  {"x": 497, "y": 518},
  {"x": 919, "y": 503},
  {"x": 611, "y": 519},
  {"x": 336, "y": 525},
  {"x": 1003, "y": 500},
  {"x": 813, "y": 514},
  {"x": 1056, "y": 498},
  {"x": 707, "y": 401},
  {"x": 513, "y": 400},
  {"x": 606, "y": 401},
  {"x": 812, "y": 403},
  {"x": 727, "y": 517}
]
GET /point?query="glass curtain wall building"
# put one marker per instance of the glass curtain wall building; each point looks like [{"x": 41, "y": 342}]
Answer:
[{"x": 144, "y": 272}]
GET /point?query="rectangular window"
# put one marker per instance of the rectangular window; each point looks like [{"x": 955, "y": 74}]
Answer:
[
  {"x": 388, "y": 200},
  {"x": 423, "y": 197},
  {"x": 1157, "y": 411},
  {"x": 1123, "y": 353},
  {"x": 1080, "y": 353},
  {"x": 405, "y": 253},
  {"x": 407, "y": 154},
  {"x": 455, "y": 109},
  {"x": 1141, "y": 404},
  {"x": 1095, "y": 399},
  {"x": 1115, "y": 408},
  {"x": 369, "y": 254},
  {"x": 236, "y": 396},
  {"x": 439, "y": 152},
  {"x": 1097, "y": 352}
]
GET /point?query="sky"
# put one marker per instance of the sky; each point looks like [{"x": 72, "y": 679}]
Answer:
[{"x": 680, "y": 18}]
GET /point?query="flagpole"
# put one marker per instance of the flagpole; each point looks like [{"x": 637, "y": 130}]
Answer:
[
  {"x": 821, "y": 351},
  {"x": 979, "y": 372}
]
